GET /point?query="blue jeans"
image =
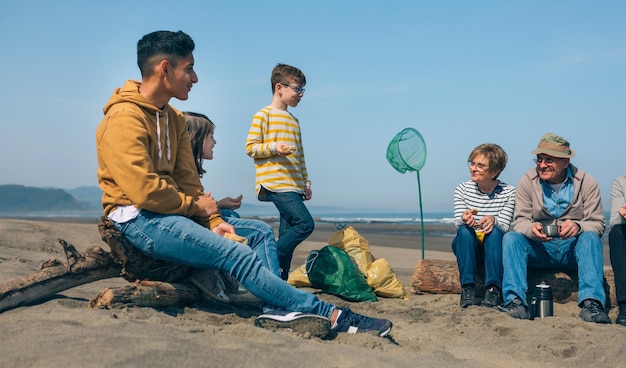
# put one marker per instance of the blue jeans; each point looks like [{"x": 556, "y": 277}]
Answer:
[
  {"x": 583, "y": 252},
  {"x": 227, "y": 212},
  {"x": 180, "y": 240},
  {"x": 260, "y": 238},
  {"x": 296, "y": 224},
  {"x": 468, "y": 252}
]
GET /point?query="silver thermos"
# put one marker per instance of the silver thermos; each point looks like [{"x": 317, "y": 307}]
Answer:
[{"x": 541, "y": 303}]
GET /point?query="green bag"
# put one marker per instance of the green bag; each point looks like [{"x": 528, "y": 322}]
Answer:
[{"x": 332, "y": 270}]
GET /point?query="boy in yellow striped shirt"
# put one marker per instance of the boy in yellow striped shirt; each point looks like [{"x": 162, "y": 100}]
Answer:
[{"x": 274, "y": 142}]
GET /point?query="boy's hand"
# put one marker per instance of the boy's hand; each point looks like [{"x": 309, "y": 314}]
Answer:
[
  {"x": 285, "y": 149},
  {"x": 308, "y": 194}
]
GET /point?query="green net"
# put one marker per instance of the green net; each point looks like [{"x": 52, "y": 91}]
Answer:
[{"x": 407, "y": 151}]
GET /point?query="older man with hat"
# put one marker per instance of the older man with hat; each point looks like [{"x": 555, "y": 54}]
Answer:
[{"x": 556, "y": 192}]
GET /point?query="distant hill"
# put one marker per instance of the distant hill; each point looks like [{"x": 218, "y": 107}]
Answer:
[
  {"x": 91, "y": 197},
  {"x": 19, "y": 199}
]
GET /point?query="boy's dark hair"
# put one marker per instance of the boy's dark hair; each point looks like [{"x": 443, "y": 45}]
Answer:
[
  {"x": 162, "y": 45},
  {"x": 286, "y": 74}
]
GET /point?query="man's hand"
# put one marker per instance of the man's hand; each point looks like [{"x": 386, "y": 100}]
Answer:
[
  {"x": 568, "y": 229},
  {"x": 538, "y": 232},
  {"x": 208, "y": 204},
  {"x": 622, "y": 211}
]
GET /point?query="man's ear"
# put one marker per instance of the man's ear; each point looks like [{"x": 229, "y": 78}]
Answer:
[{"x": 164, "y": 67}]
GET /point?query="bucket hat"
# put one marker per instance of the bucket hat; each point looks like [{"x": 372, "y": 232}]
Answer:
[{"x": 555, "y": 146}]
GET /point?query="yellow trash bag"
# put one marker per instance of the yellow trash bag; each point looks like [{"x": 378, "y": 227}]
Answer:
[
  {"x": 384, "y": 281},
  {"x": 351, "y": 242},
  {"x": 299, "y": 277}
]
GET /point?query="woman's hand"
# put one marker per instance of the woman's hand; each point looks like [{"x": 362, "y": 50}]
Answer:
[
  {"x": 230, "y": 203},
  {"x": 224, "y": 228},
  {"x": 468, "y": 218},
  {"x": 487, "y": 223}
]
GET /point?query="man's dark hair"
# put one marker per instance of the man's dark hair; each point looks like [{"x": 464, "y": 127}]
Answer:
[{"x": 162, "y": 45}]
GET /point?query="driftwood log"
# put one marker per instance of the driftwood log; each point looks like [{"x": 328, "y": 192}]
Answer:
[
  {"x": 154, "y": 282},
  {"x": 135, "y": 265},
  {"x": 432, "y": 276},
  {"x": 55, "y": 276},
  {"x": 147, "y": 294}
]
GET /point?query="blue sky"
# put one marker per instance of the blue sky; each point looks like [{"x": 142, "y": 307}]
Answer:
[{"x": 460, "y": 72}]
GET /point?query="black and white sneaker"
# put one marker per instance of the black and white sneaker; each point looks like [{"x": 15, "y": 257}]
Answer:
[
  {"x": 303, "y": 323},
  {"x": 351, "y": 322}
]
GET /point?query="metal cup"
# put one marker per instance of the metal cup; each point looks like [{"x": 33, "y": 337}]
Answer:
[
  {"x": 551, "y": 231},
  {"x": 542, "y": 304}
]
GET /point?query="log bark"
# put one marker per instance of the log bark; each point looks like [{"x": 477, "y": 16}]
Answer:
[
  {"x": 442, "y": 277},
  {"x": 97, "y": 264},
  {"x": 146, "y": 293},
  {"x": 154, "y": 283},
  {"x": 56, "y": 276},
  {"x": 158, "y": 294},
  {"x": 135, "y": 265}
]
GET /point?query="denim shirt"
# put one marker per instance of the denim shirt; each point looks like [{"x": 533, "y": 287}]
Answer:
[{"x": 557, "y": 202}]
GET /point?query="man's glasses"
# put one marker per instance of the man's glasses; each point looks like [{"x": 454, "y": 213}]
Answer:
[
  {"x": 545, "y": 160},
  {"x": 478, "y": 166},
  {"x": 297, "y": 89}
]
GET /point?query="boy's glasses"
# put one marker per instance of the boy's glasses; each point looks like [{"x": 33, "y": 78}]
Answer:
[{"x": 297, "y": 89}]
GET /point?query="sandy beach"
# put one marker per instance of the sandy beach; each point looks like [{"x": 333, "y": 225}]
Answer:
[{"x": 429, "y": 330}]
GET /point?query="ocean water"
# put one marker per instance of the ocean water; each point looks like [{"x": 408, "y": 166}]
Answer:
[
  {"x": 332, "y": 217},
  {"x": 439, "y": 218},
  {"x": 387, "y": 217}
]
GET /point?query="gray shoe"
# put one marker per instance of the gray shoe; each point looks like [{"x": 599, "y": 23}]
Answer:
[
  {"x": 231, "y": 284},
  {"x": 211, "y": 284},
  {"x": 516, "y": 309},
  {"x": 493, "y": 298},
  {"x": 468, "y": 297},
  {"x": 592, "y": 311}
]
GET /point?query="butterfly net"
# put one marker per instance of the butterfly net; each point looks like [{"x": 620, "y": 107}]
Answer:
[{"x": 407, "y": 151}]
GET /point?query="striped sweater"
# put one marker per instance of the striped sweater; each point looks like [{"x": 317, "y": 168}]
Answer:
[
  {"x": 500, "y": 203},
  {"x": 275, "y": 172}
]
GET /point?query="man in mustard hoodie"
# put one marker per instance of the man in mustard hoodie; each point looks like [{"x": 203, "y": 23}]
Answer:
[{"x": 152, "y": 192}]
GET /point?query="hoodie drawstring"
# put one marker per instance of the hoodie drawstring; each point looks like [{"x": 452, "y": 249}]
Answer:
[{"x": 167, "y": 136}]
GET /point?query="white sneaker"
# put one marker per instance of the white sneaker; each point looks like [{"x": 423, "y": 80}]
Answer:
[{"x": 303, "y": 323}]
